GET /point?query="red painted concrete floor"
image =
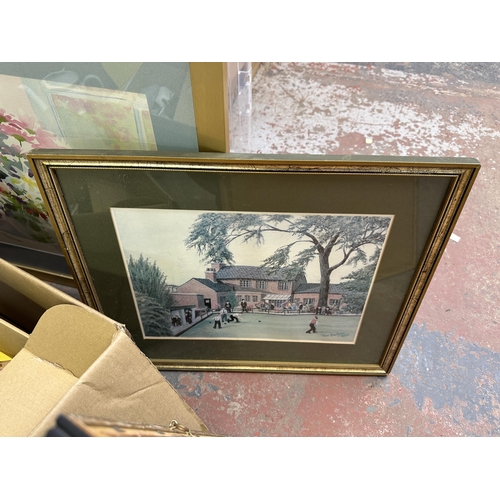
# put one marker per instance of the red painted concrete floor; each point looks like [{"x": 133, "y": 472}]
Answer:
[{"x": 446, "y": 380}]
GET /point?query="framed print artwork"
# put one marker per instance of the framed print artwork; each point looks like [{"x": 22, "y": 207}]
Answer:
[
  {"x": 80, "y": 105},
  {"x": 289, "y": 263}
]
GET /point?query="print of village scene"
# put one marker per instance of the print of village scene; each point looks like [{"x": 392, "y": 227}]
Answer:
[{"x": 236, "y": 297}]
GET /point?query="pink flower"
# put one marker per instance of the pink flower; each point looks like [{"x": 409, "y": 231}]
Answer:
[
  {"x": 26, "y": 130},
  {"x": 14, "y": 129},
  {"x": 44, "y": 139}
]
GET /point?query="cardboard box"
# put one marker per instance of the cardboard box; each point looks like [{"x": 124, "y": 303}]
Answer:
[{"x": 74, "y": 360}]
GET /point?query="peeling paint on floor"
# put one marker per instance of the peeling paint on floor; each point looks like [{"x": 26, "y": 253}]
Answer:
[{"x": 450, "y": 372}]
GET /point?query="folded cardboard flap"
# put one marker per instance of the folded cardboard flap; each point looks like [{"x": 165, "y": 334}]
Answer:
[
  {"x": 78, "y": 361},
  {"x": 23, "y": 300},
  {"x": 63, "y": 345},
  {"x": 124, "y": 385},
  {"x": 29, "y": 389},
  {"x": 75, "y": 360},
  {"x": 71, "y": 337}
]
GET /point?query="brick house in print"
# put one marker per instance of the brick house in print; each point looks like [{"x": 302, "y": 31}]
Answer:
[
  {"x": 214, "y": 293},
  {"x": 249, "y": 283},
  {"x": 308, "y": 295}
]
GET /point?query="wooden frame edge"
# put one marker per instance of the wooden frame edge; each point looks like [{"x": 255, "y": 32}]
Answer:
[{"x": 210, "y": 100}]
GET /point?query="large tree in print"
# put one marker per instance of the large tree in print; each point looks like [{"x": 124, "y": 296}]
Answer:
[{"x": 334, "y": 240}]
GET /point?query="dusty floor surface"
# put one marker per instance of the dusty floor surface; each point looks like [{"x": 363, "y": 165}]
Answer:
[{"x": 446, "y": 380}]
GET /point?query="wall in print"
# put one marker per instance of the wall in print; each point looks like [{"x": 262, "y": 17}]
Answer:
[{"x": 260, "y": 276}]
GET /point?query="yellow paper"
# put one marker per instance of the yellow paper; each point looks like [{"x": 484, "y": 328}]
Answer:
[{"x": 4, "y": 357}]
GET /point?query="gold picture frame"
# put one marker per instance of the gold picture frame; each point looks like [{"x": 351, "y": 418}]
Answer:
[{"x": 385, "y": 222}]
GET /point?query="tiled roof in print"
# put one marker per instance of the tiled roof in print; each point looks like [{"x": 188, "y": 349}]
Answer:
[
  {"x": 248, "y": 272},
  {"x": 218, "y": 287},
  {"x": 314, "y": 288}
]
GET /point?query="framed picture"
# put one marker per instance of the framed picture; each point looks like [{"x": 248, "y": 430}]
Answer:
[
  {"x": 256, "y": 262},
  {"x": 78, "y": 105}
]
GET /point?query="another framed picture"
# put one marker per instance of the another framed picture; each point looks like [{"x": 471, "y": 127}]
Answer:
[
  {"x": 65, "y": 105},
  {"x": 312, "y": 264}
]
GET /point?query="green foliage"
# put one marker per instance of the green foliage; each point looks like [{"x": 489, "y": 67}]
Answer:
[
  {"x": 357, "y": 286},
  {"x": 148, "y": 281},
  {"x": 153, "y": 318},
  {"x": 19, "y": 138},
  {"x": 231, "y": 298},
  {"x": 212, "y": 233},
  {"x": 209, "y": 237},
  {"x": 147, "y": 278},
  {"x": 323, "y": 236}
]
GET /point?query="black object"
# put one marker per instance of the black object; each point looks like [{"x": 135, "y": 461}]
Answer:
[{"x": 66, "y": 428}]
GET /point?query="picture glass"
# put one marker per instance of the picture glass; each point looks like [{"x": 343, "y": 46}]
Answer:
[
  {"x": 78, "y": 106},
  {"x": 280, "y": 263},
  {"x": 250, "y": 275}
]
